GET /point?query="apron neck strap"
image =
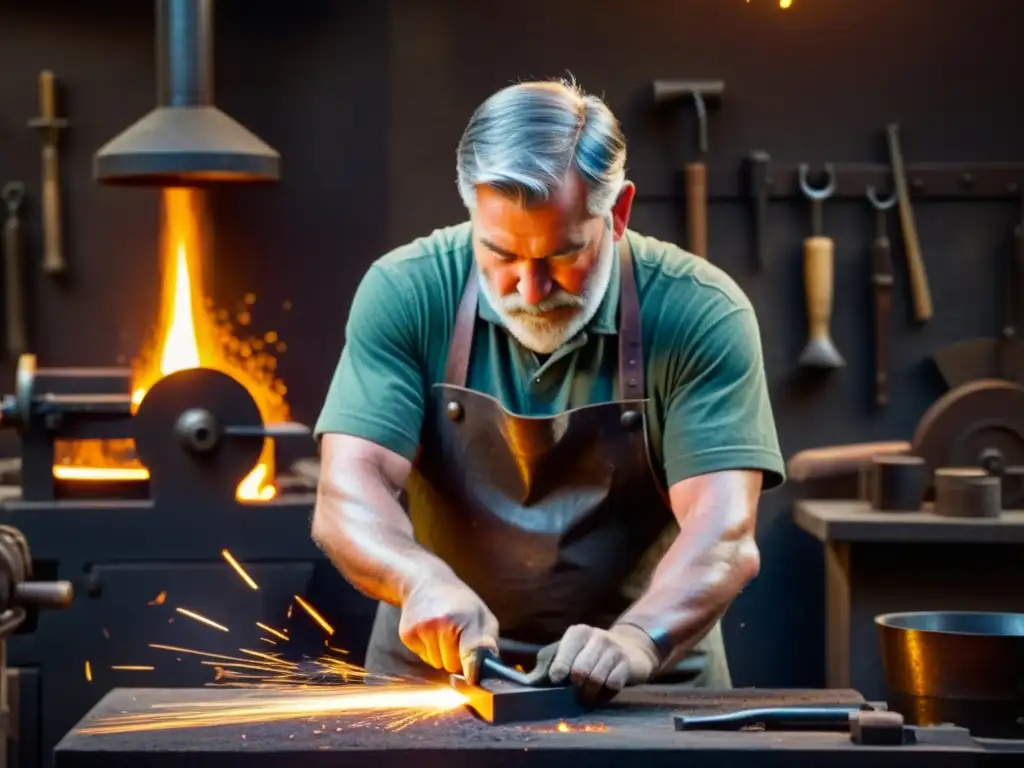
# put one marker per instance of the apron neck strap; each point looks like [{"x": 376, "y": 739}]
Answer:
[{"x": 631, "y": 357}]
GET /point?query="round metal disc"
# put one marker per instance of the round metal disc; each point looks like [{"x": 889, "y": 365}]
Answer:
[
  {"x": 980, "y": 424},
  {"x": 174, "y": 468}
]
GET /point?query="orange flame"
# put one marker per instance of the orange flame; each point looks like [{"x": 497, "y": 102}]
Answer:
[{"x": 189, "y": 335}]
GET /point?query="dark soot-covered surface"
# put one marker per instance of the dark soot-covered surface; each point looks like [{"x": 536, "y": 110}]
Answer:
[{"x": 645, "y": 725}]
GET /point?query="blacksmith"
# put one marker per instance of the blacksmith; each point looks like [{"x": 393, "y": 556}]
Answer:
[{"x": 538, "y": 407}]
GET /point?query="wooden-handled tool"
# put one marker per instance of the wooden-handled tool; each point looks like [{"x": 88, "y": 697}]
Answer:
[
  {"x": 49, "y": 126},
  {"x": 819, "y": 463},
  {"x": 881, "y": 283},
  {"x": 819, "y": 266},
  {"x": 920, "y": 292},
  {"x": 15, "y": 310},
  {"x": 695, "y": 174}
]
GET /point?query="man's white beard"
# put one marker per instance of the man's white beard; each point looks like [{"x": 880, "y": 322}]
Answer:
[{"x": 542, "y": 335}]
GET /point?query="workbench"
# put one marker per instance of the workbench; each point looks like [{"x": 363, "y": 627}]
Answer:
[
  {"x": 637, "y": 727},
  {"x": 884, "y": 562}
]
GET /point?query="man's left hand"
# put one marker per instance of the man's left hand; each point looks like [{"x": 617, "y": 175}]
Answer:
[{"x": 604, "y": 661}]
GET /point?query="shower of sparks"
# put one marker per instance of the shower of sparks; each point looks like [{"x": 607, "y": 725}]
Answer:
[
  {"x": 202, "y": 619},
  {"x": 238, "y": 568},
  {"x": 399, "y": 706},
  {"x": 275, "y": 632},
  {"x": 314, "y": 615},
  {"x": 281, "y": 689}
]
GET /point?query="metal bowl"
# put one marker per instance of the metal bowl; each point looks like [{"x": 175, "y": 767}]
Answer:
[{"x": 961, "y": 667}]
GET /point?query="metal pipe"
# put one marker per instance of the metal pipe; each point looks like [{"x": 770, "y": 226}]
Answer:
[{"x": 184, "y": 53}]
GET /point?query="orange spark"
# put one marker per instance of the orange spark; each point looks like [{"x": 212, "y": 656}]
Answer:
[
  {"x": 314, "y": 615},
  {"x": 203, "y": 619},
  {"x": 238, "y": 568},
  {"x": 159, "y": 599},
  {"x": 88, "y": 672},
  {"x": 271, "y": 630},
  {"x": 133, "y": 668}
]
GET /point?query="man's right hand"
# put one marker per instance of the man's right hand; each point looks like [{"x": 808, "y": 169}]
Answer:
[{"x": 444, "y": 622}]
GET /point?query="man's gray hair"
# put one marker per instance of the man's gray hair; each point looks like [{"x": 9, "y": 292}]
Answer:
[{"x": 525, "y": 138}]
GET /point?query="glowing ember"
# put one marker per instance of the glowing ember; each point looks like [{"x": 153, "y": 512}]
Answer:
[
  {"x": 189, "y": 335},
  {"x": 271, "y": 630},
  {"x": 314, "y": 615},
  {"x": 238, "y": 568},
  {"x": 202, "y": 619}
]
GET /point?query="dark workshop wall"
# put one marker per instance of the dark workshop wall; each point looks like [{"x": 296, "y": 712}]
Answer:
[{"x": 366, "y": 100}]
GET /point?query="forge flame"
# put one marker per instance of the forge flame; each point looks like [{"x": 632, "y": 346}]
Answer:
[{"x": 189, "y": 334}]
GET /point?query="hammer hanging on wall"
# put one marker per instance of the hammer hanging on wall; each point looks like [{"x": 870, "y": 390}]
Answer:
[
  {"x": 49, "y": 126},
  {"x": 703, "y": 93}
]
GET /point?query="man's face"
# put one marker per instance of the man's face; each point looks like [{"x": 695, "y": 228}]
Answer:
[{"x": 545, "y": 267}]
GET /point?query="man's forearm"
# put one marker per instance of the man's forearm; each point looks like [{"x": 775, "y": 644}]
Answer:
[
  {"x": 714, "y": 556},
  {"x": 691, "y": 589},
  {"x": 362, "y": 528}
]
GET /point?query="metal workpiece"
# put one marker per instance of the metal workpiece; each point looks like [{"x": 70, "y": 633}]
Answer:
[
  {"x": 499, "y": 702},
  {"x": 186, "y": 140}
]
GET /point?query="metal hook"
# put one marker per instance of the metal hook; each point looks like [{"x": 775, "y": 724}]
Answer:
[
  {"x": 13, "y": 193},
  {"x": 818, "y": 194},
  {"x": 881, "y": 205}
]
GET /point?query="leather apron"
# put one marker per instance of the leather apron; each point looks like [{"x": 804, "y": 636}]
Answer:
[{"x": 545, "y": 518}]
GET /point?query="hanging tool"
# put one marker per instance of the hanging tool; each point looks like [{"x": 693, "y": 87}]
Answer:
[
  {"x": 920, "y": 292},
  {"x": 506, "y": 695},
  {"x": 704, "y": 93},
  {"x": 819, "y": 267},
  {"x": 15, "y": 310},
  {"x": 759, "y": 187},
  {"x": 49, "y": 126},
  {"x": 881, "y": 281},
  {"x": 1002, "y": 357}
]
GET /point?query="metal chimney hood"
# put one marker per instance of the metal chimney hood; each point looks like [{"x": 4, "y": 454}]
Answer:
[{"x": 186, "y": 140}]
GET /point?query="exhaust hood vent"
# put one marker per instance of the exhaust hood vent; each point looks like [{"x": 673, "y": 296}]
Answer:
[{"x": 186, "y": 140}]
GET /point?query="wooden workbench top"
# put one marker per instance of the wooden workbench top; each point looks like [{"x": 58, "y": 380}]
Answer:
[
  {"x": 851, "y": 520},
  {"x": 633, "y": 734}
]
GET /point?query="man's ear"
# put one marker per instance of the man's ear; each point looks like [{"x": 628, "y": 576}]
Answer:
[{"x": 622, "y": 208}]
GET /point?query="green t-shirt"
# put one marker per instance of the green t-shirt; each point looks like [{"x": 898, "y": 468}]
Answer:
[{"x": 708, "y": 408}]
